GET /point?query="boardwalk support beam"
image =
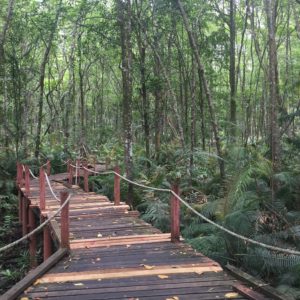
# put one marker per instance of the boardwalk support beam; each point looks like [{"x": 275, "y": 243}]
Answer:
[
  {"x": 64, "y": 226},
  {"x": 24, "y": 216},
  {"x": 85, "y": 177},
  {"x": 117, "y": 186},
  {"x": 47, "y": 240},
  {"x": 27, "y": 181},
  {"x": 32, "y": 240},
  {"x": 175, "y": 215},
  {"x": 70, "y": 168}
]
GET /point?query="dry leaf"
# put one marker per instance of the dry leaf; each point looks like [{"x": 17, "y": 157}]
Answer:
[
  {"x": 98, "y": 259},
  {"x": 99, "y": 235},
  {"x": 128, "y": 246},
  {"x": 231, "y": 295},
  {"x": 147, "y": 267},
  {"x": 78, "y": 284},
  {"x": 37, "y": 282},
  {"x": 24, "y": 298},
  {"x": 173, "y": 298},
  {"x": 163, "y": 276}
]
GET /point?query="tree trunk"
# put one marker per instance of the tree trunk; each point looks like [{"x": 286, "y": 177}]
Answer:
[
  {"x": 270, "y": 8},
  {"x": 202, "y": 77},
  {"x": 124, "y": 15},
  {"x": 42, "y": 78},
  {"x": 232, "y": 75}
]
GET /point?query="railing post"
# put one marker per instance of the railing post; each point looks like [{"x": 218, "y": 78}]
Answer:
[
  {"x": 32, "y": 240},
  {"x": 46, "y": 239},
  {"x": 24, "y": 216},
  {"x": 27, "y": 181},
  {"x": 20, "y": 197},
  {"x": 70, "y": 174},
  {"x": 175, "y": 215},
  {"x": 85, "y": 177},
  {"x": 117, "y": 180},
  {"x": 42, "y": 183},
  {"x": 64, "y": 221},
  {"x": 48, "y": 167}
]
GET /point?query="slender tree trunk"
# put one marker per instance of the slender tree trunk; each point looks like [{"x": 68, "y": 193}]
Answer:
[
  {"x": 124, "y": 14},
  {"x": 202, "y": 77},
  {"x": 270, "y": 8},
  {"x": 193, "y": 117},
  {"x": 158, "y": 114},
  {"x": 3, "y": 75},
  {"x": 42, "y": 79},
  {"x": 232, "y": 75}
]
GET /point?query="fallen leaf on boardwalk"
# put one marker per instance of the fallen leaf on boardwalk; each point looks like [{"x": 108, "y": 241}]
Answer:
[
  {"x": 173, "y": 298},
  {"x": 211, "y": 289},
  {"x": 98, "y": 259},
  {"x": 231, "y": 295},
  {"x": 128, "y": 246},
  {"x": 163, "y": 276},
  {"x": 99, "y": 235},
  {"x": 24, "y": 298},
  {"x": 37, "y": 282},
  {"x": 147, "y": 267},
  {"x": 78, "y": 284},
  {"x": 66, "y": 267},
  {"x": 89, "y": 225},
  {"x": 87, "y": 247}
]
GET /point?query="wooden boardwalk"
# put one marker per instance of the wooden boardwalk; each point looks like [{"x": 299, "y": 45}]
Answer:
[{"x": 115, "y": 255}]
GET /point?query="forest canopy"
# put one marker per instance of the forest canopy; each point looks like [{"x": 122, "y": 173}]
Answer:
[{"x": 205, "y": 93}]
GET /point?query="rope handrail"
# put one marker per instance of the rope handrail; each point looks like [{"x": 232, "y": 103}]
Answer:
[
  {"x": 50, "y": 187},
  {"x": 31, "y": 173},
  {"x": 232, "y": 233},
  {"x": 41, "y": 226}
]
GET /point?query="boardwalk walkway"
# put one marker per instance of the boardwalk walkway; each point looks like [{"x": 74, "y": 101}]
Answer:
[{"x": 115, "y": 255}]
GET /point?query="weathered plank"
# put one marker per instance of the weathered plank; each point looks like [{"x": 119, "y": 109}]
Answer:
[{"x": 33, "y": 275}]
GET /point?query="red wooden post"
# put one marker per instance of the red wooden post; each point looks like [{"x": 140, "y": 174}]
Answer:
[
  {"x": 20, "y": 206},
  {"x": 32, "y": 240},
  {"x": 175, "y": 215},
  {"x": 85, "y": 177},
  {"x": 117, "y": 180},
  {"x": 27, "y": 180},
  {"x": 24, "y": 216},
  {"x": 77, "y": 170},
  {"x": 22, "y": 176},
  {"x": 70, "y": 174},
  {"x": 64, "y": 221},
  {"x": 47, "y": 240},
  {"x": 48, "y": 167},
  {"x": 42, "y": 182}
]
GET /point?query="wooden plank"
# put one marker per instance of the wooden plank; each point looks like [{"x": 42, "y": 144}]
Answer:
[
  {"x": 32, "y": 276},
  {"x": 248, "y": 292},
  {"x": 204, "y": 287},
  {"x": 258, "y": 284},
  {"x": 121, "y": 273},
  {"x": 117, "y": 241}
]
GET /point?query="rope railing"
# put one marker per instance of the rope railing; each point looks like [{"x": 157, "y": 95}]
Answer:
[
  {"x": 234, "y": 234},
  {"x": 37, "y": 229},
  {"x": 31, "y": 173},
  {"x": 50, "y": 187}
]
